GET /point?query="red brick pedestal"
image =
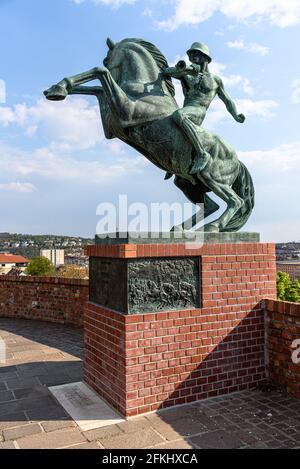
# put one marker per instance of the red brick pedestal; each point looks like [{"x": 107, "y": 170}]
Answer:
[{"x": 145, "y": 361}]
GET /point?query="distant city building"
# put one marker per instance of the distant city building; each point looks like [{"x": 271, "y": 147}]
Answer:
[
  {"x": 290, "y": 267},
  {"x": 77, "y": 260},
  {"x": 56, "y": 256},
  {"x": 10, "y": 264}
]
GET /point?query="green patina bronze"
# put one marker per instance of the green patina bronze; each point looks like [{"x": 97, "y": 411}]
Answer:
[{"x": 138, "y": 106}]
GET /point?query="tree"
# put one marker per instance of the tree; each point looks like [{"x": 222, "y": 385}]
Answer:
[
  {"x": 293, "y": 293},
  {"x": 283, "y": 282},
  {"x": 287, "y": 289},
  {"x": 40, "y": 267}
]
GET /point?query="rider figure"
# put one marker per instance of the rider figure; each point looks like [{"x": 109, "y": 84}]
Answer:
[{"x": 199, "y": 89}]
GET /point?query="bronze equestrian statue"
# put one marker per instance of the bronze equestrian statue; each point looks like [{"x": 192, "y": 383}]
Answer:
[{"x": 138, "y": 106}]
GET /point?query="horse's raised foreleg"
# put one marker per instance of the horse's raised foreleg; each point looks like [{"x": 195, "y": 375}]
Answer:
[
  {"x": 86, "y": 90},
  {"x": 121, "y": 106},
  {"x": 61, "y": 90},
  {"x": 118, "y": 101}
]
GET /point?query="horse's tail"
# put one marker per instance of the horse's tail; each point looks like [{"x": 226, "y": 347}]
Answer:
[{"x": 243, "y": 186}]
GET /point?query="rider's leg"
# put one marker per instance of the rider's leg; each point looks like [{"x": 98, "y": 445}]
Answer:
[{"x": 183, "y": 118}]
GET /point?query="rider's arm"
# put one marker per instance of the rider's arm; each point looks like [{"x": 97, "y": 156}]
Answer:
[
  {"x": 230, "y": 106},
  {"x": 181, "y": 70},
  {"x": 173, "y": 72}
]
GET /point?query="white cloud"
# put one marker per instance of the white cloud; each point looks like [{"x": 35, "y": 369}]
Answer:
[
  {"x": 115, "y": 146},
  {"x": 252, "y": 47},
  {"x": 281, "y": 13},
  {"x": 296, "y": 91},
  {"x": 280, "y": 228},
  {"x": 74, "y": 123},
  {"x": 2, "y": 91},
  {"x": 147, "y": 12},
  {"x": 59, "y": 166},
  {"x": 7, "y": 116},
  {"x": 261, "y": 109},
  {"x": 275, "y": 173},
  {"x": 22, "y": 187},
  {"x": 247, "y": 87},
  {"x": 282, "y": 158},
  {"x": 112, "y": 3},
  {"x": 218, "y": 68}
]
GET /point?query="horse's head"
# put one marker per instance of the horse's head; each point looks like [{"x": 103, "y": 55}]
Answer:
[
  {"x": 113, "y": 60},
  {"x": 137, "y": 61}
]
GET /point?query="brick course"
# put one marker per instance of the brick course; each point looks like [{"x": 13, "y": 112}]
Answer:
[
  {"x": 44, "y": 298},
  {"x": 282, "y": 328},
  {"x": 143, "y": 362}
]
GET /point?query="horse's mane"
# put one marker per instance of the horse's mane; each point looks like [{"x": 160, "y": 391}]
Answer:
[{"x": 159, "y": 59}]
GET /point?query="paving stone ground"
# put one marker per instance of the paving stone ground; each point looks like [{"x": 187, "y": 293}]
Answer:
[{"x": 43, "y": 354}]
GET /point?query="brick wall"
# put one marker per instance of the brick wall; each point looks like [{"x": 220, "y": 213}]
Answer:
[
  {"x": 44, "y": 298},
  {"x": 143, "y": 362},
  {"x": 282, "y": 328},
  {"x": 104, "y": 355}
]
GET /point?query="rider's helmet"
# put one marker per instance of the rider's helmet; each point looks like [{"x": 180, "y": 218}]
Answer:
[{"x": 203, "y": 48}]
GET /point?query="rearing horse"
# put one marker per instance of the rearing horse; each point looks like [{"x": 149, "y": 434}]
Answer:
[{"x": 136, "y": 104}]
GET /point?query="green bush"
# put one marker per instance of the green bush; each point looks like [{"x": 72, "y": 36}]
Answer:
[
  {"x": 287, "y": 289},
  {"x": 40, "y": 267}
]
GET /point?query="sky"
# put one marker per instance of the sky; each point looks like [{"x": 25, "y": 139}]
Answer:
[{"x": 56, "y": 166}]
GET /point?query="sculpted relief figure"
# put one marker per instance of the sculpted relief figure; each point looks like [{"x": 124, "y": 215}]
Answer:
[{"x": 137, "y": 105}]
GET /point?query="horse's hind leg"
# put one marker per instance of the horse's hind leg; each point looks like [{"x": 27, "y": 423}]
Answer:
[
  {"x": 195, "y": 194},
  {"x": 188, "y": 223},
  {"x": 210, "y": 206},
  {"x": 233, "y": 201}
]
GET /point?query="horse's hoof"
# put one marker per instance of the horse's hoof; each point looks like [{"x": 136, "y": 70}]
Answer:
[
  {"x": 56, "y": 93},
  {"x": 211, "y": 228},
  {"x": 177, "y": 228}
]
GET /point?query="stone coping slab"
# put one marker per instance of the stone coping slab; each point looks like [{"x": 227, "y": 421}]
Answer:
[{"x": 176, "y": 237}]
